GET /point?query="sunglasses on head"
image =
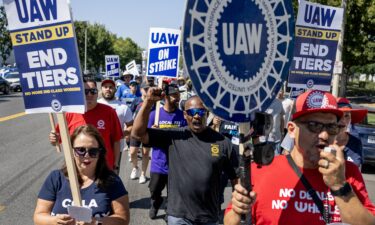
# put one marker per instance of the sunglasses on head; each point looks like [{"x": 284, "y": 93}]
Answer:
[
  {"x": 193, "y": 112},
  {"x": 93, "y": 91},
  {"x": 82, "y": 151},
  {"x": 317, "y": 127}
]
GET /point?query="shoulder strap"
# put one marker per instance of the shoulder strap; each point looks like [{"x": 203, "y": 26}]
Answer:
[{"x": 310, "y": 190}]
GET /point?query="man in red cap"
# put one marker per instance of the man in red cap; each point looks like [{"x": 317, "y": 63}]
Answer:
[
  {"x": 351, "y": 144},
  {"x": 312, "y": 185},
  {"x": 124, "y": 114}
]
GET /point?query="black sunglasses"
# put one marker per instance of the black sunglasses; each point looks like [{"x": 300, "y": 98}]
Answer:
[
  {"x": 317, "y": 127},
  {"x": 199, "y": 111},
  {"x": 82, "y": 151},
  {"x": 93, "y": 91}
]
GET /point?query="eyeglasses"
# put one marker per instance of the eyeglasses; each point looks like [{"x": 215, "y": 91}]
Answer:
[
  {"x": 93, "y": 91},
  {"x": 193, "y": 112},
  {"x": 317, "y": 127},
  {"x": 82, "y": 151}
]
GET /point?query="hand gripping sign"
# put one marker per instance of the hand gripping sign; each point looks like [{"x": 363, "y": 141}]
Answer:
[{"x": 237, "y": 54}]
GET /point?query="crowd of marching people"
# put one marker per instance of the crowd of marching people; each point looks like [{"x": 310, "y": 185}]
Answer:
[{"x": 195, "y": 153}]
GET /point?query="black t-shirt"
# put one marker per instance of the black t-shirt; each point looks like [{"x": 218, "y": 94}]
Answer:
[{"x": 195, "y": 164}]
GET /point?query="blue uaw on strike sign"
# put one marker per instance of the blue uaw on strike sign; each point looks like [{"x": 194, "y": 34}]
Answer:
[
  {"x": 163, "y": 52},
  {"x": 318, "y": 30},
  {"x": 46, "y": 54},
  {"x": 237, "y": 53},
  {"x": 112, "y": 65}
]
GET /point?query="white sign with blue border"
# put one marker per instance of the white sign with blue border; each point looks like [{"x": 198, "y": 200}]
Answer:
[
  {"x": 46, "y": 54},
  {"x": 163, "y": 52},
  {"x": 318, "y": 30},
  {"x": 112, "y": 65},
  {"x": 237, "y": 53}
]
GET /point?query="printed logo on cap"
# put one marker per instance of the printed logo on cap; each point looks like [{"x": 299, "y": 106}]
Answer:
[
  {"x": 316, "y": 100},
  {"x": 237, "y": 53}
]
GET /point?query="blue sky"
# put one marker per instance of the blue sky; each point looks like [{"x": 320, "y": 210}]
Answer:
[{"x": 131, "y": 18}]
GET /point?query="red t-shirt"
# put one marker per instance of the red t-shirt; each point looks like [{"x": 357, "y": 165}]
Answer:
[
  {"x": 105, "y": 119},
  {"x": 283, "y": 199}
]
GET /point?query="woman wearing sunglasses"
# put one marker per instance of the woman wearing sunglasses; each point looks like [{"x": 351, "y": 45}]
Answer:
[
  {"x": 101, "y": 189},
  {"x": 353, "y": 146}
]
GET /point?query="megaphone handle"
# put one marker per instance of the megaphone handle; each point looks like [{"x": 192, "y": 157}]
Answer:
[{"x": 245, "y": 170}]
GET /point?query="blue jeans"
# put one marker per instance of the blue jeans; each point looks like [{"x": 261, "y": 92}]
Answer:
[{"x": 182, "y": 221}]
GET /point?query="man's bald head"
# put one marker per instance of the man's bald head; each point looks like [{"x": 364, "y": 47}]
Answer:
[{"x": 193, "y": 101}]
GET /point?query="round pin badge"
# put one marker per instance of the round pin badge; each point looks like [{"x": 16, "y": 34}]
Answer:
[{"x": 237, "y": 53}]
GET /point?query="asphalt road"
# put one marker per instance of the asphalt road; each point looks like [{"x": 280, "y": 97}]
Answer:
[{"x": 26, "y": 158}]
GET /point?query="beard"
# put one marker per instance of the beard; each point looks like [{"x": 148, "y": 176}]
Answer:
[{"x": 108, "y": 96}]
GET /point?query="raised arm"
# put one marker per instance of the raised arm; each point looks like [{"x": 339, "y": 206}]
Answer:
[{"x": 139, "y": 131}]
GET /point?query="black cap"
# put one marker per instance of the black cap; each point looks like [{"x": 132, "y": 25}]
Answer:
[{"x": 172, "y": 89}]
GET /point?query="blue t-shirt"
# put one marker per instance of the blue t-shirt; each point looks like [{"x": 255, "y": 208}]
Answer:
[
  {"x": 122, "y": 91},
  {"x": 56, "y": 188},
  {"x": 159, "y": 160}
]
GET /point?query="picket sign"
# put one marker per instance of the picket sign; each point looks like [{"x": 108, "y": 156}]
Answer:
[
  {"x": 45, "y": 47},
  {"x": 53, "y": 126},
  {"x": 157, "y": 107},
  {"x": 69, "y": 159},
  {"x": 163, "y": 55},
  {"x": 237, "y": 64}
]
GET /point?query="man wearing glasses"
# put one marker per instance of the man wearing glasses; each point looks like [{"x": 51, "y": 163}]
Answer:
[
  {"x": 103, "y": 117},
  {"x": 312, "y": 185},
  {"x": 197, "y": 156}
]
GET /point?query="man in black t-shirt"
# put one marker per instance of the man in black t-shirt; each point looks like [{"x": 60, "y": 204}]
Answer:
[{"x": 197, "y": 156}]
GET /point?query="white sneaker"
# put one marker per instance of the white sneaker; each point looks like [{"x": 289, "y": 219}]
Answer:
[
  {"x": 142, "y": 179},
  {"x": 134, "y": 173}
]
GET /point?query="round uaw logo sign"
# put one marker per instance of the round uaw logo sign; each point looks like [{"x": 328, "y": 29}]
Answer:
[
  {"x": 237, "y": 53},
  {"x": 56, "y": 105}
]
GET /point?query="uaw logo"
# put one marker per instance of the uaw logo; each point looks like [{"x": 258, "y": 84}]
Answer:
[
  {"x": 101, "y": 124},
  {"x": 56, "y": 105},
  {"x": 215, "y": 150},
  {"x": 237, "y": 53},
  {"x": 317, "y": 99}
]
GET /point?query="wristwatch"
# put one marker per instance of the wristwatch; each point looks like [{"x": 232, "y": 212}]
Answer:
[{"x": 343, "y": 191}]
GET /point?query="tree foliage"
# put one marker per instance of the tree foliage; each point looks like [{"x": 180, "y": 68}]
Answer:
[
  {"x": 5, "y": 41},
  {"x": 101, "y": 42},
  {"x": 128, "y": 50}
]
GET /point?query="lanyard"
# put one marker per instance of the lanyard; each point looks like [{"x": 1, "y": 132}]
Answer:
[{"x": 318, "y": 202}]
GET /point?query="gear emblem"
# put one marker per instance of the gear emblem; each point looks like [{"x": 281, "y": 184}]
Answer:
[{"x": 237, "y": 53}]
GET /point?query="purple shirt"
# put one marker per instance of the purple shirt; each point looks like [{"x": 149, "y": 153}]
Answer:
[{"x": 159, "y": 159}]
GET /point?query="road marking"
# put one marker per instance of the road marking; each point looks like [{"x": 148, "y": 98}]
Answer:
[{"x": 2, "y": 119}]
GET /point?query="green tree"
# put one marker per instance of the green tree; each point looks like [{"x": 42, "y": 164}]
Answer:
[
  {"x": 99, "y": 43},
  {"x": 127, "y": 50},
  {"x": 5, "y": 41}
]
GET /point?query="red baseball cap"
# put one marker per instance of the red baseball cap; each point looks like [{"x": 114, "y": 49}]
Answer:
[
  {"x": 314, "y": 101},
  {"x": 105, "y": 81},
  {"x": 357, "y": 114}
]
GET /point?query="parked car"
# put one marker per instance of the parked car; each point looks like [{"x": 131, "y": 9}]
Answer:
[
  {"x": 366, "y": 132},
  {"x": 4, "y": 86},
  {"x": 14, "y": 80},
  {"x": 5, "y": 70}
]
